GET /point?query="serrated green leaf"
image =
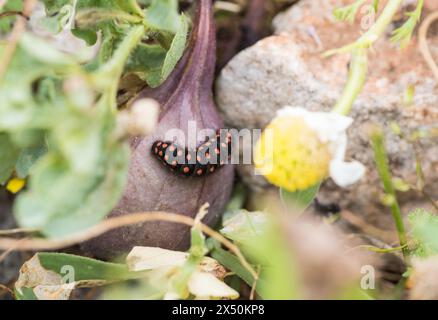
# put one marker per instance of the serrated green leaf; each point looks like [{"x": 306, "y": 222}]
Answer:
[
  {"x": 403, "y": 34},
  {"x": 176, "y": 49}
]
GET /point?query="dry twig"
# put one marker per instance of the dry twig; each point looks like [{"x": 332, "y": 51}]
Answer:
[
  {"x": 423, "y": 45},
  {"x": 36, "y": 244}
]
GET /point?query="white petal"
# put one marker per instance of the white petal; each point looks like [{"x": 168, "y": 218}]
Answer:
[
  {"x": 346, "y": 173},
  {"x": 292, "y": 111},
  {"x": 148, "y": 258},
  {"x": 205, "y": 285},
  {"x": 328, "y": 125},
  {"x": 339, "y": 148}
]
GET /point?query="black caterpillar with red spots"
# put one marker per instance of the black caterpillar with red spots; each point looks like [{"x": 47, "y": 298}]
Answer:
[{"x": 204, "y": 160}]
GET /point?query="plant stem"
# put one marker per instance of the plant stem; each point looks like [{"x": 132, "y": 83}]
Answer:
[
  {"x": 359, "y": 60},
  {"x": 382, "y": 23},
  {"x": 381, "y": 159},
  {"x": 355, "y": 83}
]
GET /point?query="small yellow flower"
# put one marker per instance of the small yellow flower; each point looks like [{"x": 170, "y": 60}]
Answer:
[
  {"x": 15, "y": 185},
  {"x": 299, "y": 149},
  {"x": 298, "y": 161}
]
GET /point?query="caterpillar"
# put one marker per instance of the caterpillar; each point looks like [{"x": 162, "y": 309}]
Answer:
[{"x": 204, "y": 160}]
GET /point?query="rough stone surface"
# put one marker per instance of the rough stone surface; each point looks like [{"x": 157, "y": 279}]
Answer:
[{"x": 288, "y": 69}]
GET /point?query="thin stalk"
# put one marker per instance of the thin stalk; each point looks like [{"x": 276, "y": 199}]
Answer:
[
  {"x": 356, "y": 81},
  {"x": 373, "y": 33},
  {"x": 381, "y": 159},
  {"x": 359, "y": 60},
  {"x": 382, "y": 23}
]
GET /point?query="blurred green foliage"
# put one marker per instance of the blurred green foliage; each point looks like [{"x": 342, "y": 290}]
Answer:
[
  {"x": 424, "y": 233},
  {"x": 58, "y": 116}
]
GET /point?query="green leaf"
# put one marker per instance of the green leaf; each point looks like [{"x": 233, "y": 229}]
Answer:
[
  {"x": 404, "y": 33},
  {"x": 45, "y": 53},
  {"x": 163, "y": 15},
  {"x": 89, "y": 36},
  {"x": 27, "y": 159},
  {"x": 61, "y": 201},
  {"x": 85, "y": 268},
  {"x": 8, "y": 157},
  {"x": 232, "y": 263},
  {"x": 176, "y": 49},
  {"x": 55, "y": 275},
  {"x": 25, "y": 294},
  {"x": 153, "y": 64},
  {"x": 245, "y": 226},
  {"x": 299, "y": 200},
  {"x": 147, "y": 62},
  {"x": 129, "y": 6},
  {"x": 348, "y": 13},
  {"x": 6, "y": 23},
  {"x": 196, "y": 254}
]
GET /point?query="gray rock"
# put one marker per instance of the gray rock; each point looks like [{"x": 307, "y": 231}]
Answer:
[{"x": 288, "y": 69}]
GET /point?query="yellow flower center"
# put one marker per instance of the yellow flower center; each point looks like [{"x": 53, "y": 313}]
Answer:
[{"x": 290, "y": 154}]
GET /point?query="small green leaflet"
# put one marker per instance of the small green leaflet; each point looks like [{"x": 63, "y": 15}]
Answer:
[
  {"x": 55, "y": 275},
  {"x": 299, "y": 201},
  {"x": 163, "y": 15},
  {"x": 176, "y": 49}
]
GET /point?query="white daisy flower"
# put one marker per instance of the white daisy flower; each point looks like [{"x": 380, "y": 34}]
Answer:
[{"x": 306, "y": 148}]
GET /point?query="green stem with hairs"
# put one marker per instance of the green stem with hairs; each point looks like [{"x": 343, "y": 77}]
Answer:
[
  {"x": 381, "y": 159},
  {"x": 359, "y": 60},
  {"x": 356, "y": 81}
]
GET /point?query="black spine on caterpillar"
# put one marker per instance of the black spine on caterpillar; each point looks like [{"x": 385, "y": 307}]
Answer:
[{"x": 204, "y": 160}]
